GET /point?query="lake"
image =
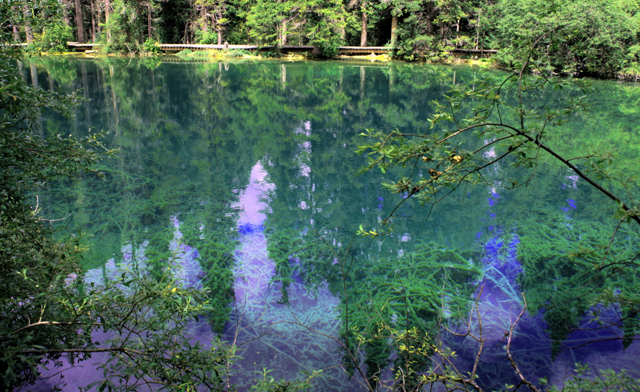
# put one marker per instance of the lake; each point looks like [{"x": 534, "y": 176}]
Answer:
[{"x": 247, "y": 172}]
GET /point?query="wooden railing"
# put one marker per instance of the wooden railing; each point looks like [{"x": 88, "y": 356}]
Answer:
[{"x": 376, "y": 50}]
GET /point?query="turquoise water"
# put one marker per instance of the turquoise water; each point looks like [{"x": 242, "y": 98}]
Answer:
[{"x": 249, "y": 169}]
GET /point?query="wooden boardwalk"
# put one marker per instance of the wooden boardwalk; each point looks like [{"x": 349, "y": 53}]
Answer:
[
  {"x": 250, "y": 48},
  {"x": 357, "y": 50}
]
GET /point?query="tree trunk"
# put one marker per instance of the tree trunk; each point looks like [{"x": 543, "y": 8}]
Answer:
[
  {"x": 149, "y": 31},
  {"x": 93, "y": 21},
  {"x": 65, "y": 13},
  {"x": 79, "y": 24},
  {"x": 219, "y": 35},
  {"x": 394, "y": 30},
  {"x": 107, "y": 12},
  {"x": 478, "y": 29},
  {"x": 283, "y": 41},
  {"x": 16, "y": 29},
  {"x": 27, "y": 22},
  {"x": 343, "y": 24},
  {"x": 363, "y": 34},
  {"x": 431, "y": 15},
  {"x": 16, "y": 34}
]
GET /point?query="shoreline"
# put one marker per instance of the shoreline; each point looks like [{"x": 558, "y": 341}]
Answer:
[{"x": 233, "y": 55}]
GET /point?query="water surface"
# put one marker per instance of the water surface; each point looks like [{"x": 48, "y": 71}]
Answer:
[{"x": 249, "y": 169}]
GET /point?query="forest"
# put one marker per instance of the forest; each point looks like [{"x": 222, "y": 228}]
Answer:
[{"x": 584, "y": 38}]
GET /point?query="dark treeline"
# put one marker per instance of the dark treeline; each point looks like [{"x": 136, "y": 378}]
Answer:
[{"x": 578, "y": 37}]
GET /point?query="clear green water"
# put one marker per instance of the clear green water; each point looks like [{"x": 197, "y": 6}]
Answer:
[{"x": 255, "y": 162}]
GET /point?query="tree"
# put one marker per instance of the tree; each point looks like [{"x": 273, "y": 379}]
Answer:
[
  {"x": 316, "y": 22},
  {"x": 575, "y": 37},
  {"x": 42, "y": 21},
  {"x": 213, "y": 14},
  {"x": 128, "y": 25}
]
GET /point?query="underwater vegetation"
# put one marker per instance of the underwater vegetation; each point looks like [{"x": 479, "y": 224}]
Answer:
[{"x": 254, "y": 166}]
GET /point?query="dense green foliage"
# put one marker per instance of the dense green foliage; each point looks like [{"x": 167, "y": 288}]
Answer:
[{"x": 573, "y": 37}]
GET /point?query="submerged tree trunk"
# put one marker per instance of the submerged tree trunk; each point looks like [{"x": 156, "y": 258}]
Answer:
[
  {"x": 362, "y": 79},
  {"x": 394, "y": 30},
  {"x": 283, "y": 75},
  {"x": 79, "y": 24},
  {"x": 363, "y": 33},
  {"x": 34, "y": 75},
  {"x": 27, "y": 22},
  {"x": 392, "y": 80},
  {"x": 85, "y": 91}
]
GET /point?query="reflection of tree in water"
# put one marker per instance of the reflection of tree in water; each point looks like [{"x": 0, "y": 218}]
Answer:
[{"x": 191, "y": 134}]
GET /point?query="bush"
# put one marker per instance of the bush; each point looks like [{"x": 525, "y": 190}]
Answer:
[
  {"x": 151, "y": 47},
  {"x": 53, "y": 39}
]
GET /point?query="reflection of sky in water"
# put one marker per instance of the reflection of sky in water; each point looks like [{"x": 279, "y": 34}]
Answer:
[{"x": 288, "y": 339}]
